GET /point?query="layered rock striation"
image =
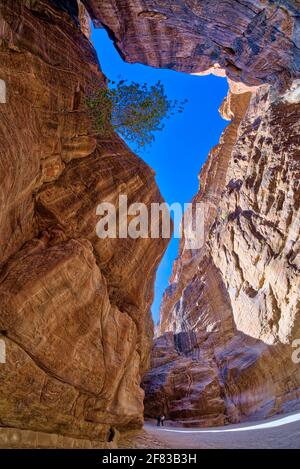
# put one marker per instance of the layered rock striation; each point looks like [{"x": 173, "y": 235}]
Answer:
[
  {"x": 74, "y": 308},
  {"x": 231, "y": 314},
  {"x": 255, "y": 41}
]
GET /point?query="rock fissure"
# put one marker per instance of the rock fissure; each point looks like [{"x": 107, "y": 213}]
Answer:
[{"x": 80, "y": 306}]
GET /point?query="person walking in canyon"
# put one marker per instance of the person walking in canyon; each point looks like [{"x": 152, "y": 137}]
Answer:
[
  {"x": 162, "y": 419},
  {"x": 158, "y": 418}
]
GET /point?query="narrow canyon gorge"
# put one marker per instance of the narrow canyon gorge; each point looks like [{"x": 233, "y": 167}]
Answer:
[{"x": 75, "y": 310}]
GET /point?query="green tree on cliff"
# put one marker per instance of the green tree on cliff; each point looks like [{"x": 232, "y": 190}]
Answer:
[{"x": 134, "y": 110}]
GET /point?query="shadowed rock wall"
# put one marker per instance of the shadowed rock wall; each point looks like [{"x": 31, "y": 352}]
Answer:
[{"x": 255, "y": 41}]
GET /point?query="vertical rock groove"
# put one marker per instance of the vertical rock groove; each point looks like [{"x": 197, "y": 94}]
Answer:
[{"x": 75, "y": 309}]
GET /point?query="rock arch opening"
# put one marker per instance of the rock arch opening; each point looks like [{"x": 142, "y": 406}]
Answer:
[
  {"x": 181, "y": 149},
  {"x": 235, "y": 294}
]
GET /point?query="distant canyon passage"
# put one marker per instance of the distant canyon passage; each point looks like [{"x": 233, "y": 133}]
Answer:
[{"x": 75, "y": 309}]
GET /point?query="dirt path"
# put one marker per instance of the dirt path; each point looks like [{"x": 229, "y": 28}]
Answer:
[{"x": 278, "y": 432}]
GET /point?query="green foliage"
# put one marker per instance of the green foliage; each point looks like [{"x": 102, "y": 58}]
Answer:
[
  {"x": 134, "y": 110},
  {"x": 100, "y": 108}
]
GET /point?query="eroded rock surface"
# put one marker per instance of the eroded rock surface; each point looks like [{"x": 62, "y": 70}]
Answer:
[
  {"x": 238, "y": 296},
  {"x": 256, "y": 41},
  {"x": 231, "y": 314},
  {"x": 74, "y": 309}
]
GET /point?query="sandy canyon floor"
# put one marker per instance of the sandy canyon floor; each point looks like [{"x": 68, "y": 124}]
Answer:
[{"x": 278, "y": 432}]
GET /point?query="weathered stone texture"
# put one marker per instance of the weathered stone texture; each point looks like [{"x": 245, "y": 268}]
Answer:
[
  {"x": 74, "y": 309},
  {"x": 234, "y": 305},
  {"x": 238, "y": 296},
  {"x": 255, "y": 41}
]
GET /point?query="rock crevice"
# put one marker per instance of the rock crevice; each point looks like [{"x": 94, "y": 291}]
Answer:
[
  {"x": 239, "y": 295},
  {"x": 75, "y": 309}
]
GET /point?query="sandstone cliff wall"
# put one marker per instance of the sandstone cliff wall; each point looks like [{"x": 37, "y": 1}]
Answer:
[
  {"x": 255, "y": 41},
  {"x": 74, "y": 309},
  {"x": 231, "y": 314}
]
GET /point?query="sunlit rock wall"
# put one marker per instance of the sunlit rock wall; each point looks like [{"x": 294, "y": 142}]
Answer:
[
  {"x": 74, "y": 309},
  {"x": 234, "y": 305}
]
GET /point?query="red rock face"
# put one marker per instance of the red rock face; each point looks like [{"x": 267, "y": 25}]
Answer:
[
  {"x": 256, "y": 41},
  {"x": 235, "y": 302},
  {"x": 74, "y": 309}
]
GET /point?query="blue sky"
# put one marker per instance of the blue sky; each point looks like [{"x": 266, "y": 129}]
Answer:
[{"x": 180, "y": 150}]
